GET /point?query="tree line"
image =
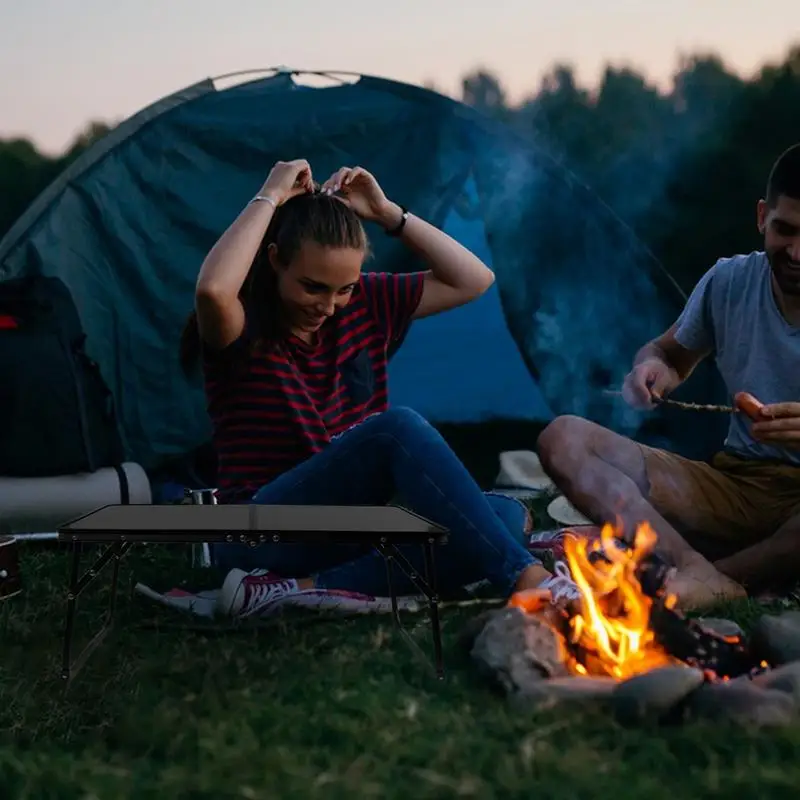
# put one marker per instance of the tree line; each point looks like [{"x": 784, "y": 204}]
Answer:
[{"x": 683, "y": 166}]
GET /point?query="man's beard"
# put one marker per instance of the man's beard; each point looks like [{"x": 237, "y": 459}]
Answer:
[{"x": 787, "y": 278}]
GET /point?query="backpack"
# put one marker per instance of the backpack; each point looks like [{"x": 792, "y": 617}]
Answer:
[{"x": 56, "y": 415}]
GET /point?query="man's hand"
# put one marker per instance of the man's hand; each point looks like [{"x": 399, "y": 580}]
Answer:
[
  {"x": 779, "y": 425},
  {"x": 648, "y": 382}
]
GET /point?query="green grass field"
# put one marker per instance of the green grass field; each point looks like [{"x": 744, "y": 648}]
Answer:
[{"x": 310, "y": 708}]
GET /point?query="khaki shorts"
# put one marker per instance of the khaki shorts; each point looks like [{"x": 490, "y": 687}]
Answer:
[{"x": 723, "y": 506}]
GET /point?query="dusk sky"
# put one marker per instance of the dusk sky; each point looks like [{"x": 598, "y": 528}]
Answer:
[{"x": 63, "y": 64}]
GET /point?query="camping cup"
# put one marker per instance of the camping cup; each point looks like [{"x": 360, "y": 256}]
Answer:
[
  {"x": 202, "y": 497},
  {"x": 201, "y": 553}
]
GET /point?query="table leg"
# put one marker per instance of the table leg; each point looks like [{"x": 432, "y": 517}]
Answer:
[
  {"x": 113, "y": 553},
  {"x": 72, "y": 597},
  {"x": 433, "y": 605},
  {"x": 427, "y": 586},
  {"x": 388, "y": 560}
]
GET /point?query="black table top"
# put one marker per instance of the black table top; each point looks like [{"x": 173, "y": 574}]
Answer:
[{"x": 250, "y": 518}]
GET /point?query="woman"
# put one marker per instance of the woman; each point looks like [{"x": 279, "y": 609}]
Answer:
[{"x": 294, "y": 341}]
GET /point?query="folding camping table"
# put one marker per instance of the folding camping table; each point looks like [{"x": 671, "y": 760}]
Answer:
[{"x": 383, "y": 528}]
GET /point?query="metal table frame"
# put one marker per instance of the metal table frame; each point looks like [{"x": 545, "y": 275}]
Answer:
[{"x": 119, "y": 527}]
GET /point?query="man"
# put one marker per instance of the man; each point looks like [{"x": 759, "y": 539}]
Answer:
[{"x": 734, "y": 524}]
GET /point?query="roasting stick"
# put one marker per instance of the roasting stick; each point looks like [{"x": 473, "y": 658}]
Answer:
[{"x": 682, "y": 405}]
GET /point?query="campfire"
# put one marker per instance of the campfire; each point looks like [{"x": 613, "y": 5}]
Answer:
[
  {"x": 625, "y": 622},
  {"x": 624, "y": 641}
]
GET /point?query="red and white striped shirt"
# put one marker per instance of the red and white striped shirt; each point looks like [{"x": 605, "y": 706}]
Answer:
[{"x": 286, "y": 401}]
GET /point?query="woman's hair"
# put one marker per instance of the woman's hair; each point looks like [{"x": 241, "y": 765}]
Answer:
[{"x": 312, "y": 217}]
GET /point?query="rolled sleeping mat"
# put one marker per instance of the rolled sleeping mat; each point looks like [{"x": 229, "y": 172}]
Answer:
[{"x": 31, "y": 505}]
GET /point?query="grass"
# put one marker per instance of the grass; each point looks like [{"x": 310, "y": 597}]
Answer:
[
  {"x": 332, "y": 709},
  {"x": 307, "y": 709}
]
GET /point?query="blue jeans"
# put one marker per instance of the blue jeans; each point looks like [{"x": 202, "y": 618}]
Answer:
[{"x": 388, "y": 456}]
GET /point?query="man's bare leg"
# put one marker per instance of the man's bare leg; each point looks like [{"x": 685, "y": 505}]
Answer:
[
  {"x": 772, "y": 562},
  {"x": 603, "y": 475}
]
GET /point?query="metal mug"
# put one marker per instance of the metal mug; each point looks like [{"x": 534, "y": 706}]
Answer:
[
  {"x": 201, "y": 552},
  {"x": 202, "y": 497}
]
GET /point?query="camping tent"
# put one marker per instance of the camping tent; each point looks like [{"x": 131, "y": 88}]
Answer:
[{"x": 127, "y": 225}]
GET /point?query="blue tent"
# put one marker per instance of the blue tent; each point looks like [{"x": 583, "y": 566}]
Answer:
[
  {"x": 127, "y": 225},
  {"x": 435, "y": 369}
]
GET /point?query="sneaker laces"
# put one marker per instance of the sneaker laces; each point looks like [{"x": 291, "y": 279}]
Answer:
[
  {"x": 561, "y": 585},
  {"x": 261, "y": 593}
]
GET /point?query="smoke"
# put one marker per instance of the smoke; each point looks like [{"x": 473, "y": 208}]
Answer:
[
  {"x": 577, "y": 285},
  {"x": 581, "y": 290}
]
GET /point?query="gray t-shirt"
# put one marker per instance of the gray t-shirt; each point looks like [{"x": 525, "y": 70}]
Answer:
[{"x": 733, "y": 311}]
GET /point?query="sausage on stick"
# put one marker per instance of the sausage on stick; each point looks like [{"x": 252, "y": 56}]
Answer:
[{"x": 747, "y": 404}]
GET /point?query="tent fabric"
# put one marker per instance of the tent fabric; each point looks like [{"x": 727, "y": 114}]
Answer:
[
  {"x": 469, "y": 352},
  {"x": 127, "y": 226}
]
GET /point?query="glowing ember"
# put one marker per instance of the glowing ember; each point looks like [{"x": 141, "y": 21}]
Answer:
[{"x": 609, "y": 633}]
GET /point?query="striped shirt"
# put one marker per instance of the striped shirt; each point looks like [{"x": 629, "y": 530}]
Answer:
[{"x": 285, "y": 402}]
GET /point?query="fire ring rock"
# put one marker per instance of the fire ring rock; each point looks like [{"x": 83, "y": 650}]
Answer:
[
  {"x": 721, "y": 627},
  {"x": 518, "y": 650},
  {"x": 652, "y": 694},
  {"x": 743, "y": 703},
  {"x": 784, "y": 679},
  {"x": 777, "y": 638}
]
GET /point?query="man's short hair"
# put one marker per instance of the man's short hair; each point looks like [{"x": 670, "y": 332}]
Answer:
[{"x": 784, "y": 177}]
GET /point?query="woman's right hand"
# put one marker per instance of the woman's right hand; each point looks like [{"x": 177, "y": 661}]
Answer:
[{"x": 287, "y": 179}]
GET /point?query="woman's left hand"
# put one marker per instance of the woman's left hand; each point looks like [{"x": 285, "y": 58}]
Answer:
[{"x": 359, "y": 189}]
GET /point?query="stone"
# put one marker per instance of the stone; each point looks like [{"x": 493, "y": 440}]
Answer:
[
  {"x": 652, "y": 694},
  {"x": 776, "y": 638},
  {"x": 575, "y": 688},
  {"x": 722, "y": 627},
  {"x": 743, "y": 703},
  {"x": 580, "y": 686},
  {"x": 518, "y": 650},
  {"x": 523, "y": 654},
  {"x": 783, "y": 679},
  {"x": 544, "y": 647}
]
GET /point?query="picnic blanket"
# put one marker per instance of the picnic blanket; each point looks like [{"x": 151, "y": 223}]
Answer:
[
  {"x": 546, "y": 545},
  {"x": 204, "y": 603}
]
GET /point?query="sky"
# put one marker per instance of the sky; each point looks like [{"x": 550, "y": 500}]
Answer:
[{"x": 66, "y": 63}]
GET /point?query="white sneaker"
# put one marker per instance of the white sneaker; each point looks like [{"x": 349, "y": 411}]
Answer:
[
  {"x": 257, "y": 592},
  {"x": 561, "y": 586}
]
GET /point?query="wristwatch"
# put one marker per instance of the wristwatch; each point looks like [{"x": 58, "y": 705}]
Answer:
[{"x": 398, "y": 229}]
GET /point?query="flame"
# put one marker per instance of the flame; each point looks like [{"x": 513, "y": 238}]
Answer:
[{"x": 609, "y": 633}]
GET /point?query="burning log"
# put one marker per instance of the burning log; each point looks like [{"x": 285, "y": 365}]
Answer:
[
  {"x": 625, "y": 622},
  {"x": 625, "y": 646}
]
